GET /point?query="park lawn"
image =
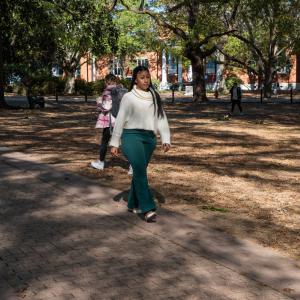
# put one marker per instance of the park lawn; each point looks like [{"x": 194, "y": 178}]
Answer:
[{"x": 240, "y": 175}]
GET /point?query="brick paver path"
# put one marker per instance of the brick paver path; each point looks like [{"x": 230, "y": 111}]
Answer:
[{"x": 63, "y": 237}]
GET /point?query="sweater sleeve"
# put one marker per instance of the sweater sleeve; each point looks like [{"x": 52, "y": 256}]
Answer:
[
  {"x": 164, "y": 130},
  {"x": 123, "y": 114}
]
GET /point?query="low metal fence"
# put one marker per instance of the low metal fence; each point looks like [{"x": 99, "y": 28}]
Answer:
[{"x": 291, "y": 95}]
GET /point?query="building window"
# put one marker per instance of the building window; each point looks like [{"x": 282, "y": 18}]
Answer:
[
  {"x": 77, "y": 72},
  {"x": 211, "y": 67},
  {"x": 116, "y": 68},
  {"x": 172, "y": 67},
  {"x": 142, "y": 62},
  {"x": 284, "y": 70},
  {"x": 57, "y": 71}
]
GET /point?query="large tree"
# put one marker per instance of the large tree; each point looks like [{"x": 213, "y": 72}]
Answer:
[
  {"x": 266, "y": 33},
  {"x": 35, "y": 34},
  {"x": 27, "y": 41},
  {"x": 137, "y": 34},
  {"x": 82, "y": 27},
  {"x": 196, "y": 24}
]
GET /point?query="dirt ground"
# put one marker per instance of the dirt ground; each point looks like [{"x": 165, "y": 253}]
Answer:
[{"x": 240, "y": 175}]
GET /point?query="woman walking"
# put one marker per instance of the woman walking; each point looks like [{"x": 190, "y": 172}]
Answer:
[{"x": 140, "y": 117}]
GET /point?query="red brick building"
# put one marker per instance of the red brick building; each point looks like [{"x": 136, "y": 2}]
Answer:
[{"x": 98, "y": 69}]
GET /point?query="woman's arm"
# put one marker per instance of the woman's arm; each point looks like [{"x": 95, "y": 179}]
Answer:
[{"x": 164, "y": 131}]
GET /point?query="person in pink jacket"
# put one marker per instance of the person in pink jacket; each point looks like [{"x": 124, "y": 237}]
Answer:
[{"x": 105, "y": 120}]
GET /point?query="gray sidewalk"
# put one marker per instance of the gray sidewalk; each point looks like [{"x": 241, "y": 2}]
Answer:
[{"x": 63, "y": 237}]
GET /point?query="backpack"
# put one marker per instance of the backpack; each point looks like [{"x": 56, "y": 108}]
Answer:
[{"x": 116, "y": 97}]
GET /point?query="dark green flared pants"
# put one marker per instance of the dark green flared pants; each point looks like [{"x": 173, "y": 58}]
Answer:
[{"x": 138, "y": 146}]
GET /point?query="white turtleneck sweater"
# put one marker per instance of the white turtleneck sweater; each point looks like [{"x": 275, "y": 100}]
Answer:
[{"x": 137, "y": 112}]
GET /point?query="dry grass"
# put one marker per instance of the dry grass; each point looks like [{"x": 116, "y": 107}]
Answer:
[{"x": 239, "y": 175}]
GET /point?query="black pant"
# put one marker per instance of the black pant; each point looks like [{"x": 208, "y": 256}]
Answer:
[
  {"x": 106, "y": 135},
  {"x": 238, "y": 103}
]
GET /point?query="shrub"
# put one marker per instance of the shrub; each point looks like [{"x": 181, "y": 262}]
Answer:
[
  {"x": 59, "y": 83},
  {"x": 9, "y": 89},
  {"x": 19, "y": 89},
  {"x": 89, "y": 86},
  {"x": 79, "y": 86},
  {"x": 82, "y": 87},
  {"x": 156, "y": 83},
  {"x": 126, "y": 82},
  {"x": 52, "y": 84},
  {"x": 99, "y": 86},
  {"x": 231, "y": 79}
]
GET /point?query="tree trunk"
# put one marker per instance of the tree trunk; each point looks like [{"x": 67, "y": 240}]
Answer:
[
  {"x": 198, "y": 66},
  {"x": 70, "y": 84},
  {"x": 2, "y": 78},
  {"x": 268, "y": 81},
  {"x": 193, "y": 53},
  {"x": 260, "y": 78},
  {"x": 220, "y": 73},
  {"x": 122, "y": 64}
]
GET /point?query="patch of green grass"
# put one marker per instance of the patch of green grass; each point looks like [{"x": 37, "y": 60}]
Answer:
[{"x": 212, "y": 208}]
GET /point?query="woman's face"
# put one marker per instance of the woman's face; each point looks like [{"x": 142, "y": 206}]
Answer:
[{"x": 143, "y": 80}]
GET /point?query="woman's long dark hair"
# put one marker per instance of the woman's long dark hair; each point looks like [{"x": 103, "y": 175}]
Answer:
[{"x": 155, "y": 95}]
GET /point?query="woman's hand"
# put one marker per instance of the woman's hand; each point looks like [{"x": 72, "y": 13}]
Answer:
[
  {"x": 114, "y": 151},
  {"x": 166, "y": 147}
]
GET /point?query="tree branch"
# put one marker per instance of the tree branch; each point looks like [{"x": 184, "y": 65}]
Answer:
[
  {"x": 158, "y": 21},
  {"x": 141, "y": 7},
  {"x": 176, "y": 7},
  {"x": 234, "y": 11},
  {"x": 63, "y": 8},
  {"x": 114, "y": 4},
  {"x": 246, "y": 41},
  {"x": 209, "y": 51},
  {"x": 206, "y": 40},
  {"x": 234, "y": 59}
]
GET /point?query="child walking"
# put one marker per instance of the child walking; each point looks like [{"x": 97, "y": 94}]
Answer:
[
  {"x": 105, "y": 120},
  {"x": 140, "y": 117}
]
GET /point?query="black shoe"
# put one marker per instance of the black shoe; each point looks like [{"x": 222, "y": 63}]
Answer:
[{"x": 150, "y": 216}]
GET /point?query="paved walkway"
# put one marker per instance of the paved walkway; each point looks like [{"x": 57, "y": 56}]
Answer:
[{"x": 63, "y": 237}]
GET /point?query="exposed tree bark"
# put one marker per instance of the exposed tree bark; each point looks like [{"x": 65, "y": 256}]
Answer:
[
  {"x": 123, "y": 64},
  {"x": 70, "y": 83},
  {"x": 269, "y": 72},
  {"x": 4, "y": 10},
  {"x": 198, "y": 65},
  {"x": 69, "y": 66}
]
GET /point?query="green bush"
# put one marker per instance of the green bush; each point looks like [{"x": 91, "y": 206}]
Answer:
[
  {"x": 126, "y": 82},
  {"x": 19, "y": 89},
  {"x": 99, "y": 86},
  {"x": 49, "y": 86},
  {"x": 90, "y": 88},
  {"x": 156, "y": 83},
  {"x": 59, "y": 84},
  {"x": 81, "y": 87},
  {"x": 9, "y": 89},
  {"x": 38, "y": 81},
  {"x": 231, "y": 79}
]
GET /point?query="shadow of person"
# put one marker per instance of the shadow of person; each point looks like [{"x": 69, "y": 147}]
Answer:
[{"x": 125, "y": 194}]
